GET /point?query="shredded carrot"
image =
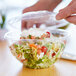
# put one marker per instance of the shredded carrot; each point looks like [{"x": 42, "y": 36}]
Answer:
[
  {"x": 38, "y": 52},
  {"x": 18, "y": 55},
  {"x": 48, "y": 53},
  {"x": 22, "y": 60},
  {"x": 32, "y": 37},
  {"x": 43, "y": 36},
  {"x": 32, "y": 45},
  {"x": 26, "y": 60}
]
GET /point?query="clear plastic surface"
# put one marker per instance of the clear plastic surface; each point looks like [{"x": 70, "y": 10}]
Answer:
[
  {"x": 44, "y": 18},
  {"x": 43, "y": 53},
  {"x": 35, "y": 60}
]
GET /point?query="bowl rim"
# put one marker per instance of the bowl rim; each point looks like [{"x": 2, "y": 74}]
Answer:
[{"x": 64, "y": 32}]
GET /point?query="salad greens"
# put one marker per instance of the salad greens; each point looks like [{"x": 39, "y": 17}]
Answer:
[
  {"x": 37, "y": 52},
  {"x": 36, "y": 55}
]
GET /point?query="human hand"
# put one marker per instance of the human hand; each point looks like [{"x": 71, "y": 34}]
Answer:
[
  {"x": 68, "y": 13},
  {"x": 48, "y": 5}
]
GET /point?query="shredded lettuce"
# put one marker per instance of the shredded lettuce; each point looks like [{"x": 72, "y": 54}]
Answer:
[{"x": 30, "y": 53}]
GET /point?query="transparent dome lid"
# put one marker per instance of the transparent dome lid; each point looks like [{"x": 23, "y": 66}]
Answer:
[{"x": 44, "y": 18}]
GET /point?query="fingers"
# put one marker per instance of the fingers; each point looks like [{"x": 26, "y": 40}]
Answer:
[
  {"x": 26, "y": 25},
  {"x": 37, "y": 25},
  {"x": 67, "y": 11},
  {"x": 71, "y": 19},
  {"x": 23, "y": 25},
  {"x": 29, "y": 25}
]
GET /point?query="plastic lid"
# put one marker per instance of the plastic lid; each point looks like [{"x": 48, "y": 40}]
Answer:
[{"x": 43, "y": 17}]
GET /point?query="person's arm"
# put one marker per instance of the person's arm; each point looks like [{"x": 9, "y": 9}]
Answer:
[
  {"x": 43, "y": 5},
  {"x": 68, "y": 13},
  {"x": 40, "y": 5}
]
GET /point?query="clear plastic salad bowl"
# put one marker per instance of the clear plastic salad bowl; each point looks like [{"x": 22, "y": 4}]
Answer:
[{"x": 37, "y": 53}]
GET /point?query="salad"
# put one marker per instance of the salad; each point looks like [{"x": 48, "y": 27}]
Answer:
[{"x": 37, "y": 48}]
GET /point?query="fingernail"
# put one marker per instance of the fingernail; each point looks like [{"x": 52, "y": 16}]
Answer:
[{"x": 58, "y": 17}]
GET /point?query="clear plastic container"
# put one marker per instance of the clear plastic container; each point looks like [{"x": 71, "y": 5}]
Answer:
[
  {"x": 46, "y": 19},
  {"x": 49, "y": 49},
  {"x": 31, "y": 57}
]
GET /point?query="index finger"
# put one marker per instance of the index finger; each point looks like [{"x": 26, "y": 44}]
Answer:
[
  {"x": 23, "y": 25},
  {"x": 67, "y": 11}
]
